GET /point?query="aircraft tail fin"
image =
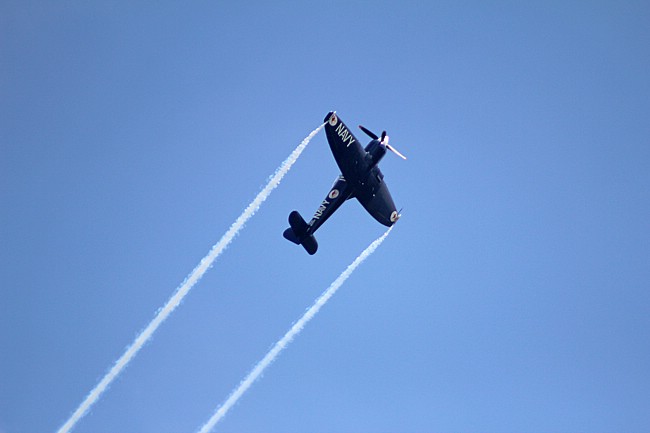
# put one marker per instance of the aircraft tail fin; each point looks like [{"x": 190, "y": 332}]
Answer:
[{"x": 297, "y": 233}]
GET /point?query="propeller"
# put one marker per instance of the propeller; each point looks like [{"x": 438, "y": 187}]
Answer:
[
  {"x": 395, "y": 151},
  {"x": 368, "y": 132},
  {"x": 384, "y": 140}
]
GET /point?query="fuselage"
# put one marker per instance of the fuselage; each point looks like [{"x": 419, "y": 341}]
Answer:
[{"x": 375, "y": 151}]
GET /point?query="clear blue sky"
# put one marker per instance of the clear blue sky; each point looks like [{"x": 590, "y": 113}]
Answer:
[{"x": 513, "y": 295}]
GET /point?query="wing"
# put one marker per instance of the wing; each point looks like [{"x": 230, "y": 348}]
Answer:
[
  {"x": 376, "y": 199},
  {"x": 347, "y": 150}
]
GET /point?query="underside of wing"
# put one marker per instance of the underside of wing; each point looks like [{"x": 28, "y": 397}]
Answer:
[
  {"x": 347, "y": 151},
  {"x": 376, "y": 199}
]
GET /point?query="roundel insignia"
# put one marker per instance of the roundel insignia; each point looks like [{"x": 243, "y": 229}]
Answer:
[
  {"x": 333, "y": 194},
  {"x": 334, "y": 120},
  {"x": 394, "y": 216}
]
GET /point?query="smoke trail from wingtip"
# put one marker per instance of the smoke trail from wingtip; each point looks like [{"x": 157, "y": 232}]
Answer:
[
  {"x": 187, "y": 285},
  {"x": 289, "y": 336}
]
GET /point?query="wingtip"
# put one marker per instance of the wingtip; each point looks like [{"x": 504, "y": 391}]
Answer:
[{"x": 329, "y": 116}]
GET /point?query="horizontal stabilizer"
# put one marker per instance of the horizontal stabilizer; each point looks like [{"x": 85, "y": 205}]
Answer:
[
  {"x": 310, "y": 245},
  {"x": 297, "y": 233},
  {"x": 298, "y": 224},
  {"x": 291, "y": 236}
]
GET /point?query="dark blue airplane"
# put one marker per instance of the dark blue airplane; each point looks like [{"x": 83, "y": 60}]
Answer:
[{"x": 360, "y": 178}]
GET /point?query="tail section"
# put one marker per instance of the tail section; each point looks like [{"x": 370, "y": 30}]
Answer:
[{"x": 297, "y": 233}]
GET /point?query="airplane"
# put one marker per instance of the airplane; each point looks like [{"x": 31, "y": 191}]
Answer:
[{"x": 360, "y": 178}]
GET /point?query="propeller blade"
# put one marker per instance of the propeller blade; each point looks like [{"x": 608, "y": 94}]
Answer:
[
  {"x": 389, "y": 147},
  {"x": 384, "y": 140},
  {"x": 368, "y": 132}
]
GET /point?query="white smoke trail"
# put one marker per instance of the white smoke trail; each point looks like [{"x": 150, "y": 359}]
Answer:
[
  {"x": 185, "y": 287},
  {"x": 289, "y": 336}
]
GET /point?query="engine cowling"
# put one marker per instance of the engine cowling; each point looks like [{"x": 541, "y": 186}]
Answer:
[{"x": 375, "y": 151}]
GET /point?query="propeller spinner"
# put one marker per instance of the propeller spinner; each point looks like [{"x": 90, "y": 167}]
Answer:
[{"x": 384, "y": 140}]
